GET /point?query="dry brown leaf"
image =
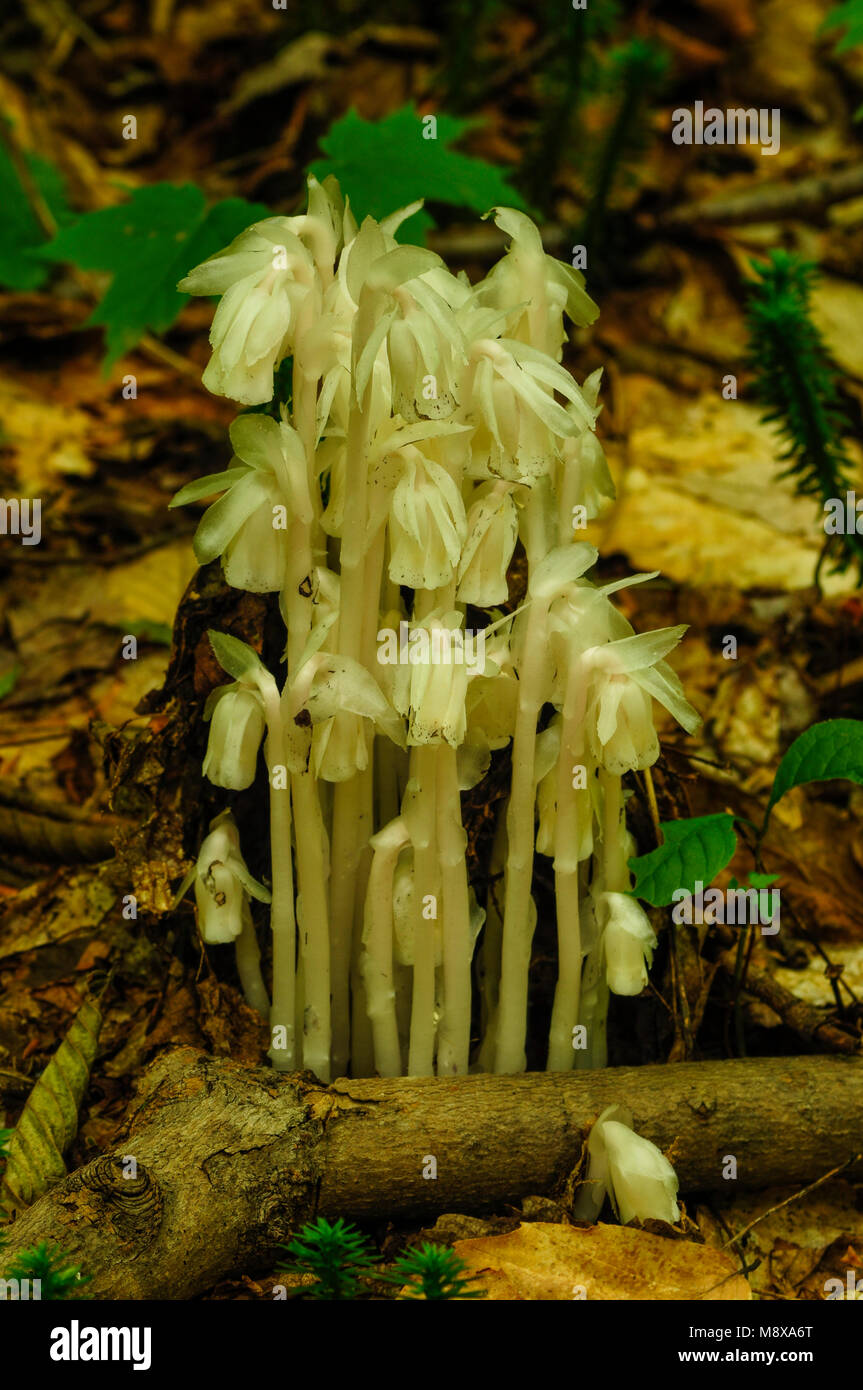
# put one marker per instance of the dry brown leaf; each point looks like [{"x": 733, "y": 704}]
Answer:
[
  {"x": 796, "y": 1248},
  {"x": 699, "y": 498},
  {"x": 552, "y": 1262}
]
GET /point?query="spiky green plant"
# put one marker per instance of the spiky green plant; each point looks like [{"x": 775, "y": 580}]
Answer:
[
  {"x": 432, "y": 1272},
  {"x": 59, "y": 1277},
  {"x": 336, "y": 1253},
  {"x": 796, "y": 382},
  {"x": 634, "y": 75}
]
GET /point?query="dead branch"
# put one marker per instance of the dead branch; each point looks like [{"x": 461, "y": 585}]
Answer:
[
  {"x": 768, "y": 202},
  {"x": 219, "y": 1162},
  {"x": 805, "y": 1020}
]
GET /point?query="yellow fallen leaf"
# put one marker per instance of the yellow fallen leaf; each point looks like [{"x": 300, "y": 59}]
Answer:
[{"x": 542, "y": 1261}]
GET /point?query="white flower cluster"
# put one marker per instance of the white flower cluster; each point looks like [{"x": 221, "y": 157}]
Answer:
[{"x": 431, "y": 427}]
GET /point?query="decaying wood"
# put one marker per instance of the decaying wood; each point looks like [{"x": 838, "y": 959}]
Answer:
[{"x": 219, "y": 1162}]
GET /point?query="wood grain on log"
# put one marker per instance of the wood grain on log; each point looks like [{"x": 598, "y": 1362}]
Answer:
[{"x": 229, "y": 1160}]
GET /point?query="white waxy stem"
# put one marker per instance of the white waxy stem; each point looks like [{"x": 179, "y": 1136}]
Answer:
[
  {"x": 567, "y": 843},
  {"x": 376, "y": 960},
  {"x": 248, "y": 957}
]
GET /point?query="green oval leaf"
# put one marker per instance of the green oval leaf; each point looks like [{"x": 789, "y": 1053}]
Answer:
[
  {"x": 831, "y": 749},
  {"x": 236, "y": 657},
  {"x": 694, "y": 851}
]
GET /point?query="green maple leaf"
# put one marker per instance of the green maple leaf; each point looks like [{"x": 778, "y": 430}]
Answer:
[
  {"x": 148, "y": 244},
  {"x": 383, "y": 165}
]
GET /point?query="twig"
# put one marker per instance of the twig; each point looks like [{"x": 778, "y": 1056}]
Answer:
[
  {"x": 802, "y": 1018},
  {"x": 15, "y": 1083},
  {"x": 770, "y": 201},
  {"x": 41, "y": 210},
  {"x": 485, "y": 243},
  {"x": 652, "y": 806},
  {"x": 795, "y": 1196}
]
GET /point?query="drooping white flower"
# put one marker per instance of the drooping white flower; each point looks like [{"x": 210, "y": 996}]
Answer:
[
  {"x": 344, "y": 704},
  {"x": 431, "y": 687},
  {"x": 623, "y": 675},
  {"x": 508, "y": 394},
  {"x": 265, "y": 488},
  {"x": 637, "y": 1177},
  {"x": 237, "y": 725},
  {"x": 426, "y": 348},
  {"x": 264, "y": 277},
  {"x": 427, "y": 524},
  {"x": 222, "y": 883},
  {"x": 628, "y": 942},
  {"x": 492, "y": 531},
  {"x": 492, "y": 694},
  {"x": 583, "y": 476},
  {"x": 537, "y": 286}
]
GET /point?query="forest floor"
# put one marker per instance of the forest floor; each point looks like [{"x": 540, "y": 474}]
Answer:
[{"x": 235, "y": 97}]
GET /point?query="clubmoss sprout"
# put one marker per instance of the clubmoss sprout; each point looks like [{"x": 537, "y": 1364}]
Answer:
[
  {"x": 336, "y": 1253},
  {"x": 57, "y": 1275},
  {"x": 795, "y": 381},
  {"x": 432, "y": 1272}
]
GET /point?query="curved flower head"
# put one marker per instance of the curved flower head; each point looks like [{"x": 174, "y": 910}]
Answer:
[
  {"x": 344, "y": 704},
  {"x": 637, "y": 1177},
  {"x": 430, "y": 688},
  {"x": 223, "y": 883},
  {"x": 508, "y": 394},
  {"x": 492, "y": 531},
  {"x": 628, "y": 942},
  {"x": 492, "y": 694},
  {"x": 541, "y": 287},
  {"x": 583, "y": 476},
  {"x": 425, "y": 347},
  {"x": 428, "y": 525},
  {"x": 624, "y": 675},
  {"x": 265, "y": 488},
  {"x": 236, "y": 715},
  {"x": 265, "y": 277}
]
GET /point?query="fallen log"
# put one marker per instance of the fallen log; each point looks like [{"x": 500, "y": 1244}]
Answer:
[{"x": 218, "y": 1163}]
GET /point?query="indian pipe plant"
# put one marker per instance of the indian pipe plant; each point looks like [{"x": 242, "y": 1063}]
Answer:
[{"x": 430, "y": 426}]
